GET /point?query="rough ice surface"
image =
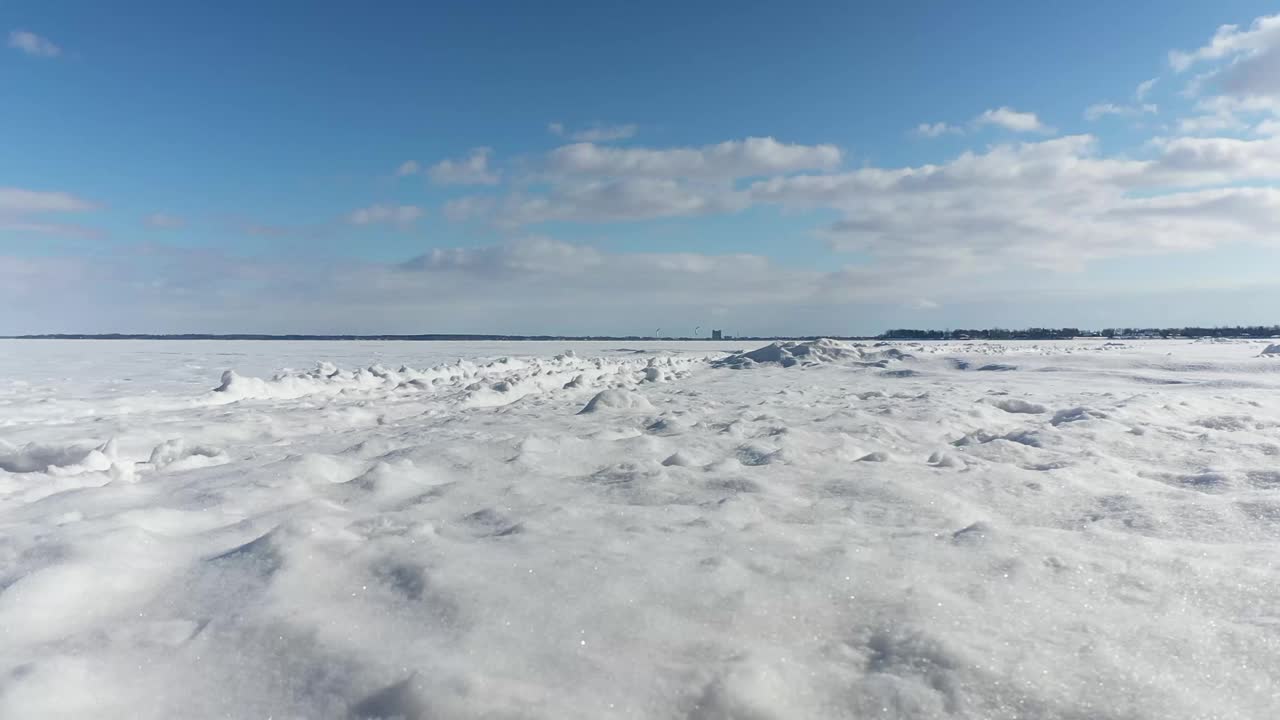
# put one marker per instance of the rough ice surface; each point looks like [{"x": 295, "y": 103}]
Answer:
[
  {"x": 443, "y": 530},
  {"x": 809, "y": 352}
]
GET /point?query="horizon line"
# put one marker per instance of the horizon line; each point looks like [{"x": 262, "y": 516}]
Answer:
[{"x": 1030, "y": 333}]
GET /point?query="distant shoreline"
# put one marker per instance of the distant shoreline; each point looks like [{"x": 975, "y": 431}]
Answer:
[{"x": 1237, "y": 333}]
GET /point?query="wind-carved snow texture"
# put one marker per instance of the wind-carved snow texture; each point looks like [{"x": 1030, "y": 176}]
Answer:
[{"x": 847, "y": 530}]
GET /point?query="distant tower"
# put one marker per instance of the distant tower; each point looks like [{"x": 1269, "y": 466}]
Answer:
[{"x": 717, "y": 334}]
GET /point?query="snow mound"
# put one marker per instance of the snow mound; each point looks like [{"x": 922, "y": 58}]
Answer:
[
  {"x": 1013, "y": 405},
  {"x": 57, "y": 459},
  {"x": 615, "y": 399},
  {"x": 176, "y": 454},
  {"x": 809, "y": 352},
  {"x": 325, "y": 379},
  {"x": 1076, "y": 414},
  {"x": 1271, "y": 350}
]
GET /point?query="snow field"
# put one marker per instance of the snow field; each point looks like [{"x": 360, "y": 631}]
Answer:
[{"x": 911, "y": 530}]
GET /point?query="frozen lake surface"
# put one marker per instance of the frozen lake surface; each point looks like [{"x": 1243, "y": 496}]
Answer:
[{"x": 1078, "y": 530}]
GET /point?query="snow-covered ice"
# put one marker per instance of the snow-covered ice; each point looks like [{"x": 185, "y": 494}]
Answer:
[{"x": 509, "y": 530}]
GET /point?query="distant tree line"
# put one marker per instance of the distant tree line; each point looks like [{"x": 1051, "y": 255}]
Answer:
[
  {"x": 985, "y": 334},
  {"x": 1239, "y": 331},
  {"x": 1038, "y": 333}
]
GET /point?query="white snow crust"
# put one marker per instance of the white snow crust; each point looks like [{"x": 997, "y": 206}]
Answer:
[{"x": 1070, "y": 529}]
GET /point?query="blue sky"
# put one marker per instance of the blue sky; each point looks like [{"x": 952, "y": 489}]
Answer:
[{"x": 616, "y": 167}]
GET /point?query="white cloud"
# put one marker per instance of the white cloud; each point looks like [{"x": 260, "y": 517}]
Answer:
[
  {"x": 471, "y": 170},
  {"x": 1010, "y": 119},
  {"x": 408, "y": 167},
  {"x": 1269, "y": 128},
  {"x": 1236, "y": 104},
  {"x": 1193, "y": 162},
  {"x": 468, "y": 208},
  {"x": 1223, "y": 121},
  {"x": 1227, "y": 113},
  {"x": 22, "y": 210},
  {"x": 620, "y": 199},
  {"x": 527, "y": 285},
  {"x": 1003, "y": 117},
  {"x": 55, "y": 229},
  {"x": 1025, "y": 203},
  {"x": 586, "y": 182},
  {"x": 938, "y": 129},
  {"x": 1144, "y": 88},
  {"x": 594, "y": 133},
  {"x": 1100, "y": 110},
  {"x": 1262, "y": 37},
  {"x": 402, "y": 215},
  {"x": 164, "y": 220},
  {"x": 532, "y": 254},
  {"x": 1243, "y": 65},
  {"x": 752, "y": 157},
  {"x": 20, "y": 201},
  {"x": 33, "y": 44},
  {"x": 1093, "y": 112},
  {"x": 547, "y": 272},
  {"x": 1051, "y": 204}
]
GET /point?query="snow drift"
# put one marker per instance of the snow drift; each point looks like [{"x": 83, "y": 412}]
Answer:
[{"x": 812, "y": 352}]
